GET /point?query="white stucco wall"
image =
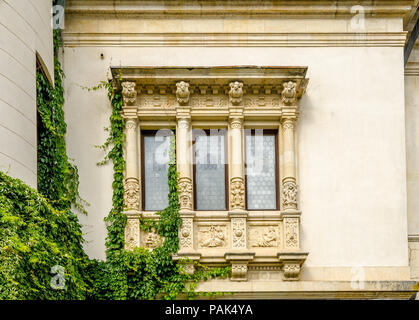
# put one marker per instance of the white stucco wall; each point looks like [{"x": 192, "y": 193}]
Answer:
[
  {"x": 351, "y": 142},
  {"x": 412, "y": 156},
  {"x": 25, "y": 29}
]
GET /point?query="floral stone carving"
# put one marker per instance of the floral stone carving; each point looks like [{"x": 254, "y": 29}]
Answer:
[
  {"x": 239, "y": 232},
  {"x": 291, "y": 232},
  {"x": 185, "y": 234}
]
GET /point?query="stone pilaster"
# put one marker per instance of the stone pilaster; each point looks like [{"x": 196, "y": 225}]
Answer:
[
  {"x": 292, "y": 258},
  {"x": 132, "y": 199}
]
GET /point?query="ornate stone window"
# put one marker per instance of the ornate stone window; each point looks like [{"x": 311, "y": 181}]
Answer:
[
  {"x": 258, "y": 224},
  {"x": 210, "y": 169},
  {"x": 155, "y": 166},
  {"x": 261, "y": 147}
]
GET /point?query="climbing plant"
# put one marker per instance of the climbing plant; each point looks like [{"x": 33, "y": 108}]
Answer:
[{"x": 143, "y": 273}]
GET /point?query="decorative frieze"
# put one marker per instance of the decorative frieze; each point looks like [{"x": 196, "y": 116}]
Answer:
[
  {"x": 132, "y": 233},
  {"x": 236, "y": 93},
  {"x": 152, "y": 239},
  {"x": 129, "y": 94},
  {"x": 264, "y": 236},
  {"x": 132, "y": 194},
  {"x": 212, "y": 236},
  {"x": 182, "y": 93}
]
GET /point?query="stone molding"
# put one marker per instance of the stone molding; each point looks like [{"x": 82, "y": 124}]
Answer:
[
  {"x": 264, "y": 8},
  {"x": 306, "y": 39}
]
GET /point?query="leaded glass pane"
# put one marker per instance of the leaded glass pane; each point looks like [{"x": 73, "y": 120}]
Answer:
[
  {"x": 210, "y": 172},
  {"x": 156, "y": 165},
  {"x": 261, "y": 173}
]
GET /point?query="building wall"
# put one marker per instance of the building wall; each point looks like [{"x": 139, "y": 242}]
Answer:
[
  {"x": 412, "y": 156},
  {"x": 352, "y": 151},
  {"x": 25, "y": 31}
]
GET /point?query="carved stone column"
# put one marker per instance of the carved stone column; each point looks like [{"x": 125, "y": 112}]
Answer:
[
  {"x": 238, "y": 256},
  {"x": 184, "y": 166},
  {"x": 132, "y": 199},
  {"x": 293, "y": 259}
]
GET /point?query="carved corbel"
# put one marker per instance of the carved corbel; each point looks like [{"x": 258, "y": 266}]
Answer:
[
  {"x": 291, "y": 265},
  {"x": 289, "y": 93},
  {"x": 129, "y": 94},
  {"x": 182, "y": 93},
  {"x": 236, "y": 93}
]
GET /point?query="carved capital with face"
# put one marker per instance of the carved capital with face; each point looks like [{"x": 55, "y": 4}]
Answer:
[
  {"x": 182, "y": 93},
  {"x": 289, "y": 93},
  {"x": 129, "y": 94},
  {"x": 236, "y": 93}
]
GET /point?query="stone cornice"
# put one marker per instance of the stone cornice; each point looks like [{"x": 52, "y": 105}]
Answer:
[
  {"x": 412, "y": 69},
  {"x": 259, "y": 8},
  {"x": 318, "y": 39}
]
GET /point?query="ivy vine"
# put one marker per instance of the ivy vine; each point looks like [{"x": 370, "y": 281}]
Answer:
[{"x": 143, "y": 273}]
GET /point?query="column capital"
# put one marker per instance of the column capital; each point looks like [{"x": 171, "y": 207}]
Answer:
[
  {"x": 184, "y": 122},
  {"x": 129, "y": 94},
  {"x": 182, "y": 93},
  {"x": 236, "y": 93},
  {"x": 236, "y": 122}
]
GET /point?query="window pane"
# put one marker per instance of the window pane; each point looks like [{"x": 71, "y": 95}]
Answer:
[
  {"x": 156, "y": 166},
  {"x": 210, "y": 172},
  {"x": 260, "y": 171}
]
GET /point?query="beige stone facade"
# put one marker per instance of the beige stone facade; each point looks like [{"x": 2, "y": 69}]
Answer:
[{"x": 328, "y": 76}]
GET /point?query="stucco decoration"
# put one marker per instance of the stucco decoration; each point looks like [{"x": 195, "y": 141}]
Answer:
[
  {"x": 236, "y": 93},
  {"x": 182, "y": 93},
  {"x": 129, "y": 94}
]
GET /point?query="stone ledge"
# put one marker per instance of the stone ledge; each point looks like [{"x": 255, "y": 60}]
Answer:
[{"x": 312, "y": 289}]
